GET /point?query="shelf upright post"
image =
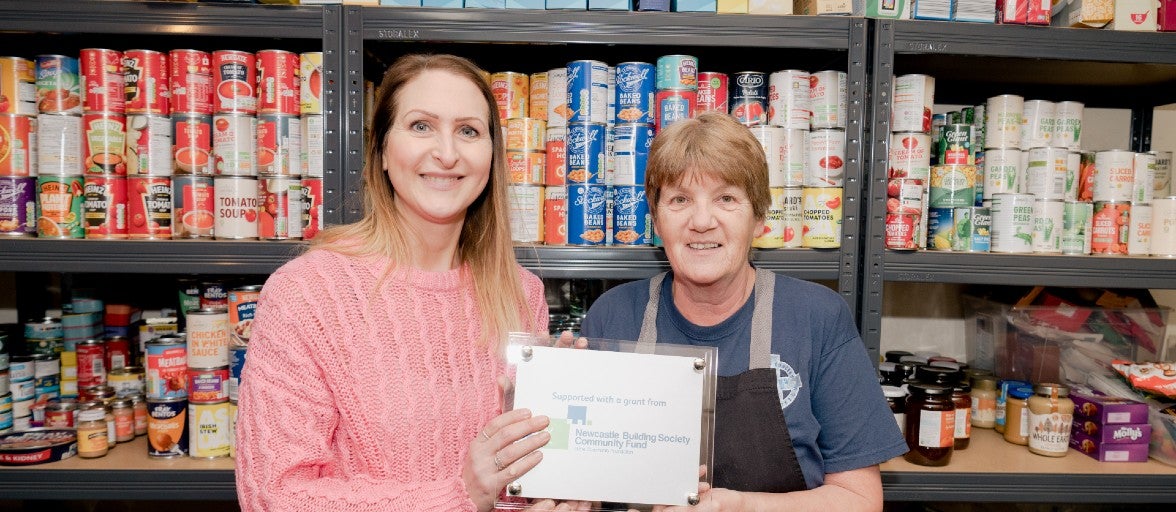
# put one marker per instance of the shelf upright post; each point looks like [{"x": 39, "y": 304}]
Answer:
[
  {"x": 854, "y": 186},
  {"x": 334, "y": 116},
  {"x": 352, "y": 115},
  {"x": 1142, "y": 117}
]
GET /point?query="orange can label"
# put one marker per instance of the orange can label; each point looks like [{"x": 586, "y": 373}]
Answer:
[
  {"x": 538, "y": 97},
  {"x": 1109, "y": 228},
  {"x": 526, "y": 167},
  {"x": 511, "y": 92},
  {"x": 18, "y": 91},
  {"x": 16, "y": 154}
]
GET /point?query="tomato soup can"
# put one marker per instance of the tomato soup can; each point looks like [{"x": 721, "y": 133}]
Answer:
[
  {"x": 940, "y": 223},
  {"x": 312, "y": 207},
  {"x": 822, "y": 217},
  {"x": 1045, "y": 172},
  {"x": 952, "y": 186},
  {"x": 1037, "y": 123},
  {"x": 279, "y": 90},
  {"x": 234, "y": 76},
  {"x": 192, "y": 144},
  {"x": 525, "y": 134},
  {"x": 910, "y": 155},
  {"x": 1140, "y": 230},
  {"x": 167, "y": 368},
  {"x": 911, "y": 102},
  {"x": 713, "y": 92},
  {"x": 526, "y": 212},
  {"x": 587, "y": 85},
  {"x": 537, "y": 97},
  {"x": 1143, "y": 184},
  {"x": 1110, "y": 227},
  {"x": 1162, "y": 186},
  {"x": 208, "y": 338},
  {"x": 208, "y": 427},
  {"x": 1076, "y": 218},
  {"x": 147, "y": 82},
  {"x": 586, "y": 214},
  {"x": 59, "y": 207},
  {"x": 58, "y": 85},
  {"x": 18, "y": 86},
  {"x": 102, "y": 80},
  {"x": 557, "y": 98},
  {"x": 59, "y": 144},
  {"x": 555, "y": 162},
  {"x": 279, "y": 145},
  {"x": 208, "y": 385},
  {"x": 673, "y": 106},
  {"x": 234, "y": 144},
  {"x": 902, "y": 231},
  {"x": 826, "y": 159},
  {"x": 634, "y": 98},
  {"x": 167, "y": 427},
  {"x": 18, "y": 206},
  {"x": 127, "y": 381},
  {"x": 525, "y": 167},
  {"x": 148, "y": 145},
  {"x": 585, "y": 153},
  {"x": 828, "y": 99},
  {"x": 104, "y": 206},
  {"x": 236, "y": 207},
  {"x": 242, "y": 306},
  {"x": 1002, "y": 172},
  {"x": 1012, "y": 223},
  {"x": 511, "y": 93},
  {"x": 193, "y": 210},
  {"x": 1002, "y": 121},
  {"x": 1067, "y": 129},
  {"x": 555, "y": 215},
  {"x": 749, "y": 98},
  {"x": 631, "y": 153},
  {"x": 632, "y": 224},
  {"x": 310, "y": 78},
  {"x": 1163, "y": 240},
  {"x": 16, "y": 149},
  {"x": 191, "y": 81},
  {"x": 311, "y": 146},
  {"x": 1114, "y": 175},
  {"x": 280, "y": 208},
  {"x": 104, "y": 143},
  {"x": 1048, "y": 220}
]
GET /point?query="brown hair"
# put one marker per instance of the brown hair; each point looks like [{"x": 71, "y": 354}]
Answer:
[
  {"x": 485, "y": 242},
  {"x": 714, "y": 144}
]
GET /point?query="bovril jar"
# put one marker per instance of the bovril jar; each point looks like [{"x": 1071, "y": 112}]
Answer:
[
  {"x": 930, "y": 424},
  {"x": 1051, "y": 414}
]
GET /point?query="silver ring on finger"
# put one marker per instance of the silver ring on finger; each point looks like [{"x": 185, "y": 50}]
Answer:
[
  {"x": 484, "y": 435},
  {"x": 497, "y": 463}
]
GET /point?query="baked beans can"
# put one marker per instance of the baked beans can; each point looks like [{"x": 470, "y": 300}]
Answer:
[
  {"x": 1046, "y": 172},
  {"x": 311, "y": 148},
  {"x": 526, "y": 212},
  {"x": 631, "y": 153},
  {"x": 312, "y": 207},
  {"x": 555, "y": 163},
  {"x": 749, "y": 98},
  {"x": 167, "y": 368},
  {"x": 525, "y": 167},
  {"x": 280, "y": 208},
  {"x": 208, "y": 338},
  {"x": 1140, "y": 230},
  {"x": 242, "y": 306},
  {"x": 213, "y": 295},
  {"x": 278, "y": 87},
  {"x": 59, "y": 144},
  {"x": 511, "y": 92},
  {"x": 557, "y": 98},
  {"x": 234, "y": 75},
  {"x": 91, "y": 363},
  {"x": 1163, "y": 240},
  {"x": 940, "y": 226},
  {"x": 1143, "y": 185},
  {"x": 1076, "y": 218},
  {"x": 826, "y": 159},
  {"x": 279, "y": 145},
  {"x": 193, "y": 210},
  {"x": 18, "y": 206},
  {"x": 146, "y": 82},
  {"x": 148, "y": 145},
  {"x": 585, "y": 153},
  {"x": 910, "y": 155},
  {"x": 104, "y": 143},
  {"x": 632, "y": 224},
  {"x": 1037, "y": 123},
  {"x": 955, "y": 145},
  {"x": 1012, "y": 223},
  {"x": 1002, "y": 121},
  {"x": 677, "y": 72},
  {"x": 190, "y": 79},
  {"x": 192, "y": 144},
  {"x": 1048, "y": 221},
  {"x": 828, "y": 99},
  {"x": 236, "y": 207},
  {"x": 952, "y": 186},
  {"x": 673, "y": 106},
  {"x": 525, "y": 134},
  {"x": 1110, "y": 227},
  {"x": 911, "y": 102},
  {"x": 102, "y": 80},
  {"x": 58, "y": 85},
  {"x": 1067, "y": 125},
  {"x": 905, "y": 195},
  {"x": 18, "y": 86},
  {"x": 236, "y": 369},
  {"x": 555, "y": 215},
  {"x": 1114, "y": 175},
  {"x": 310, "y": 75},
  {"x": 537, "y": 97},
  {"x": 234, "y": 144},
  {"x": 208, "y": 427},
  {"x": 587, "y": 85},
  {"x": 789, "y": 104},
  {"x": 127, "y": 381},
  {"x": 208, "y": 385},
  {"x": 104, "y": 206},
  {"x": 587, "y": 212},
  {"x": 822, "y": 217},
  {"x": 167, "y": 427},
  {"x": 1002, "y": 171},
  {"x": 713, "y": 92},
  {"x": 59, "y": 207},
  {"x": 16, "y": 149},
  {"x": 634, "y": 98}
]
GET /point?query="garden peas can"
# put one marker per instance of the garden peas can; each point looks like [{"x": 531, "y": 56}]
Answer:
[
  {"x": 1012, "y": 223},
  {"x": 1047, "y": 225}
]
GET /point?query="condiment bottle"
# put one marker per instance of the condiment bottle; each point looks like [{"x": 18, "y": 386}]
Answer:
[
  {"x": 930, "y": 424},
  {"x": 1016, "y": 417},
  {"x": 896, "y": 397},
  {"x": 92, "y": 438},
  {"x": 1001, "y": 398},
  {"x": 1051, "y": 414},
  {"x": 139, "y": 404},
  {"x": 961, "y": 396},
  {"x": 983, "y": 401},
  {"x": 124, "y": 419}
]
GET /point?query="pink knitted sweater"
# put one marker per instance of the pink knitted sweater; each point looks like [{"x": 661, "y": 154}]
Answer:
[{"x": 356, "y": 399}]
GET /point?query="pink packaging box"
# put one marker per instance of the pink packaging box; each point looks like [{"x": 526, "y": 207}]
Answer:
[
  {"x": 1108, "y": 452},
  {"x": 1108, "y": 410},
  {"x": 1112, "y": 434},
  {"x": 1166, "y": 18}
]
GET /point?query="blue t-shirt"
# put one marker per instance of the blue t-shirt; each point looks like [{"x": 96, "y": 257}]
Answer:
[{"x": 836, "y": 414}]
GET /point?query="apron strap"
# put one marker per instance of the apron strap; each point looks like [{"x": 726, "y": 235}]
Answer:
[{"x": 648, "y": 335}]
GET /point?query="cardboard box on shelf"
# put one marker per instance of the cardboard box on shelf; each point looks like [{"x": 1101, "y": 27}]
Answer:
[
  {"x": 1083, "y": 13},
  {"x": 695, "y": 5},
  {"x": 932, "y": 9},
  {"x": 732, "y": 6},
  {"x": 776, "y": 7},
  {"x": 1128, "y": 433},
  {"x": 889, "y": 9},
  {"x": 814, "y": 7},
  {"x": 1108, "y": 452},
  {"x": 1134, "y": 16},
  {"x": 1107, "y": 410}
]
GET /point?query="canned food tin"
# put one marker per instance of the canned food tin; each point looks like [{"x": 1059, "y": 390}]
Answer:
[
  {"x": 1114, "y": 175},
  {"x": 1002, "y": 171},
  {"x": 167, "y": 368},
  {"x": 557, "y": 98},
  {"x": 18, "y": 85},
  {"x": 312, "y": 207},
  {"x": 279, "y": 145},
  {"x": 537, "y": 98},
  {"x": 1162, "y": 186},
  {"x": 59, "y": 207},
  {"x": 1037, "y": 123},
  {"x": 149, "y": 145},
  {"x": 1163, "y": 240},
  {"x": 23, "y": 393},
  {"x": 910, "y": 155},
  {"x": 555, "y": 215},
  {"x": 1140, "y": 230},
  {"x": 213, "y": 295},
  {"x": 911, "y": 100},
  {"x": 1110, "y": 227},
  {"x": 102, "y": 81},
  {"x": 1002, "y": 121},
  {"x": 208, "y": 425},
  {"x": 555, "y": 162},
  {"x": 242, "y": 306},
  {"x": 91, "y": 363},
  {"x": 783, "y": 220},
  {"x": 1068, "y": 125},
  {"x": 44, "y": 328},
  {"x": 167, "y": 427},
  {"x": 749, "y": 98},
  {"x": 585, "y": 153},
  {"x": 58, "y": 85},
  {"x": 972, "y": 229},
  {"x": 526, "y": 212},
  {"x": 905, "y": 195},
  {"x": 311, "y": 148},
  {"x": 1046, "y": 172},
  {"x": 713, "y": 92},
  {"x": 789, "y": 103},
  {"x": 234, "y": 144},
  {"x": 952, "y": 186},
  {"x": 127, "y": 381},
  {"x": 632, "y": 224},
  {"x": 955, "y": 145},
  {"x": 586, "y": 214},
  {"x": 208, "y": 385},
  {"x": 310, "y": 74},
  {"x": 60, "y": 414},
  {"x": 525, "y": 167},
  {"x": 940, "y": 226},
  {"x": 234, "y": 75},
  {"x": 208, "y": 338},
  {"x": 1012, "y": 223},
  {"x": 190, "y": 78},
  {"x": 59, "y": 144},
  {"x": 774, "y": 140},
  {"x": 631, "y": 153},
  {"x": 822, "y": 217},
  {"x": 147, "y": 82},
  {"x": 21, "y": 367},
  {"x": 1076, "y": 218},
  {"x": 18, "y": 208},
  {"x": 828, "y": 99},
  {"x": 16, "y": 150},
  {"x": 677, "y": 72},
  {"x": 525, "y": 134},
  {"x": 194, "y": 205},
  {"x": 104, "y": 206},
  {"x": 236, "y": 367},
  {"x": 236, "y": 207},
  {"x": 1048, "y": 219},
  {"x": 192, "y": 144},
  {"x": 587, "y": 86},
  {"x": 511, "y": 92},
  {"x": 826, "y": 159},
  {"x": 280, "y": 210},
  {"x": 1086, "y": 176},
  {"x": 674, "y": 105},
  {"x": 1143, "y": 184},
  {"x": 278, "y": 86},
  {"x": 634, "y": 99}
]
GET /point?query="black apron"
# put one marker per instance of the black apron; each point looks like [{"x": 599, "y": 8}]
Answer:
[{"x": 753, "y": 451}]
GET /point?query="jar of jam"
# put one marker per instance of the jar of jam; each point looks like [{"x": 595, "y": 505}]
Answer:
[
  {"x": 139, "y": 404},
  {"x": 938, "y": 375},
  {"x": 930, "y": 424},
  {"x": 1002, "y": 397},
  {"x": 983, "y": 401},
  {"x": 124, "y": 419},
  {"x": 961, "y": 396},
  {"x": 896, "y": 398},
  {"x": 1051, "y": 413},
  {"x": 1016, "y": 415}
]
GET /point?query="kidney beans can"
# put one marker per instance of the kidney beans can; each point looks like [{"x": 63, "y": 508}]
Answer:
[
  {"x": 555, "y": 215},
  {"x": 911, "y": 102},
  {"x": 234, "y": 76},
  {"x": 1110, "y": 227},
  {"x": 789, "y": 104},
  {"x": 828, "y": 99},
  {"x": 278, "y": 87},
  {"x": 18, "y": 84},
  {"x": 673, "y": 106},
  {"x": 1047, "y": 225},
  {"x": 631, "y": 153},
  {"x": 242, "y": 306},
  {"x": 910, "y": 155},
  {"x": 902, "y": 231},
  {"x": 279, "y": 145},
  {"x": 236, "y": 207},
  {"x": 1114, "y": 175},
  {"x": 102, "y": 80},
  {"x": 191, "y": 81},
  {"x": 167, "y": 368},
  {"x": 147, "y": 82},
  {"x": 18, "y": 206},
  {"x": 310, "y": 74},
  {"x": 234, "y": 144},
  {"x": 632, "y": 224},
  {"x": 1076, "y": 227},
  {"x": 1002, "y": 121},
  {"x": 104, "y": 137},
  {"x": 1163, "y": 240},
  {"x": 826, "y": 159},
  {"x": 208, "y": 385},
  {"x": 104, "y": 206},
  {"x": 1067, "y": 129},
  {"x": 585, "y": 153},
  {"x": 193, "y": 212},
  {"x": 586, "y": 214},
  {"x": 167, "y": 427},
  {"x": 635, "y": 86},
  {"x": 59, "y": 144},
  {"x": 1037, "y": 123},
  {"x": 192, "y": 144},
  {"x": 280, "y": 208},
  {"x": 526, "y": 212},
  {"x": 58, "y": 85},
  {"x": 677, "y": 72},
  {"x": 1012, "y": 223},
  {"x": 311, "y": 147},
  {"x": 148, "y": 145},
  {"x": 1140, "y": 230},
  {"x": 557, "y": 97},
  {"x": 822, "y": 217},
  {"x": 59, "y": 207},
  {"x": 208, "y": 425},
  {"x": 1143, "y": 184},
  {"x": 312, "y": 207},
  {"x": 749, "y": 98}
]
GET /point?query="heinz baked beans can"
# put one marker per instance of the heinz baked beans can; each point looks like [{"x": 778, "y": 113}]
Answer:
[
  {"x": 280, "y": 211},
  {"x": 167, "y": 368},
  {"x": 822, "y": 217},
  {"x": 1163, "y": 240},
  {"x": 826, "y": 159},
  {"x": 192, "y": 144},
  {"x": 525, "y": 134},
  {"x": 749, "y": 98},
  {"x": 311, "y": 148},
  {"x": 104, "y": 206},
  {"x": 279, "y": 145},
  {"x": 828, "y": 99},
  {"x": 674, "y": 105},
  {"x": 18, "y": 84},
  {"x": 104, "y": 143},
  {"x": 1048, "y": 219},
  {"x": 677, "y": 72},
  {"x": 208, "y": 385},
  {"x": 102, "y": 81},
  {"x": 631, "y": 153},
  {"x": 1114, "y": 175},
  {"x": 312, "y": 207},
  {"x": 208, "y": 338},
  {"x": 16, "y": 150},
  {"x": 234, "y": 76},
  {"x": 635, "y": 86},
  {"x": 713, "y": 92},
  {"x": 310, "y": 75},
  {"x": 557, "y": 98},
  {"x": 526, "y": 212},
  {"x": 789, "y": 104},
  {"x": 167, "y": 427},
  {"x": 910, "y": 155},
  {"x": 234, "y": 144},
  {"x": 18, "y": 206},
  {"x": 1012, "y": 223},
  {"x": 585, "y": 153},
  {"x": 191, "y": 81},
  {"x": 279, "y": 90},
  {"x": 587, "y": 207},
  {"x": 58, "y": 85},
  {"x": 193, "y": 211},
  {"x": 555, "y": 215},
  {"x": 59, "y": 144},
  {"x": 236, "y": 207},
  {"x": 587, "y": 84},
  {"x": 59, "y": 207},
  {"x": 1140, "y": 230},
  {"x": 511, "y": 92},
  {"x": 632, "y": 224},
  {"x": 208, "y": 427},
  {"x": 1076, "y": 218},
  {"x": 911, "y": 102},
  {"x": 1110, "y": 227},
  {"x": 242, "y": 307},
  {"x": 147, "y": 83},
  {"x": 148, "y": 145}
]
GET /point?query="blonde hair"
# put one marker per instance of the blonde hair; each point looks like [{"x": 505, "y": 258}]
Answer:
[
  {"x": 484, "y": 243},
  {"x": 713, "y": 144}
]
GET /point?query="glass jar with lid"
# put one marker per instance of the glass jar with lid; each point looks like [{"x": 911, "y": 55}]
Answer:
[
  {"x": 124, "y": 419},
  {"x": 930, "y": 424},
  {"x": 1016, "y": 415},
  {"x": 938, "y": 375},
  {"x": 961, "y": 396},
  {"x": 896, "y": 398},
  {"x": 1051, "y": 414},
  {"x": 1002, "y": 396},
  {"x": 92, "y": 436},
  {"x": 983, "y": 401}
]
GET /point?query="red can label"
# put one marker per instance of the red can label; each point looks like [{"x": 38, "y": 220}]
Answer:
[
  {"x": 674, "y": 106},
  {"x": 279, "y": 145},
  {"x": 712, "y": 92},
  {"x": 91, "y": 364},
  {"x": 192, "y": 144},
  {"x": 557, "y": 157},
  {"x": 118, "y": 353},
  {"x": 191, "y": 81},
  {"x": 104, "y": 143},
  {"x": 555, "y": 215},
  {"x": 102, "y": 81},
  {"x": 16, "y": 151},
  {"x": 192, "y": 212},
  {"x": 312, "y": 207},
  {"x": 149, "y": 207},
  {"x": 901, "y": 231},
  {"x": 1110, "y": 227},
  {"x": 234, "y": 75},
  {"x": 234, "y": 141},
  {"x": 280, "y": 208},
  {"x": 105, "y": 206},
  {"x": 278, "y": 87},
  {"x": 209, "y": 385},
  {"x": 146, "y": 82},
  {"x": 149, "y": 145}
]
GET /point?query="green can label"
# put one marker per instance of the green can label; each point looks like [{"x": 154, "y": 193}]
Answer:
[
  {"x": 59, "y": 207},
  {"x": 973, "y": 229},
  {"x": 952, "y": 186}
]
